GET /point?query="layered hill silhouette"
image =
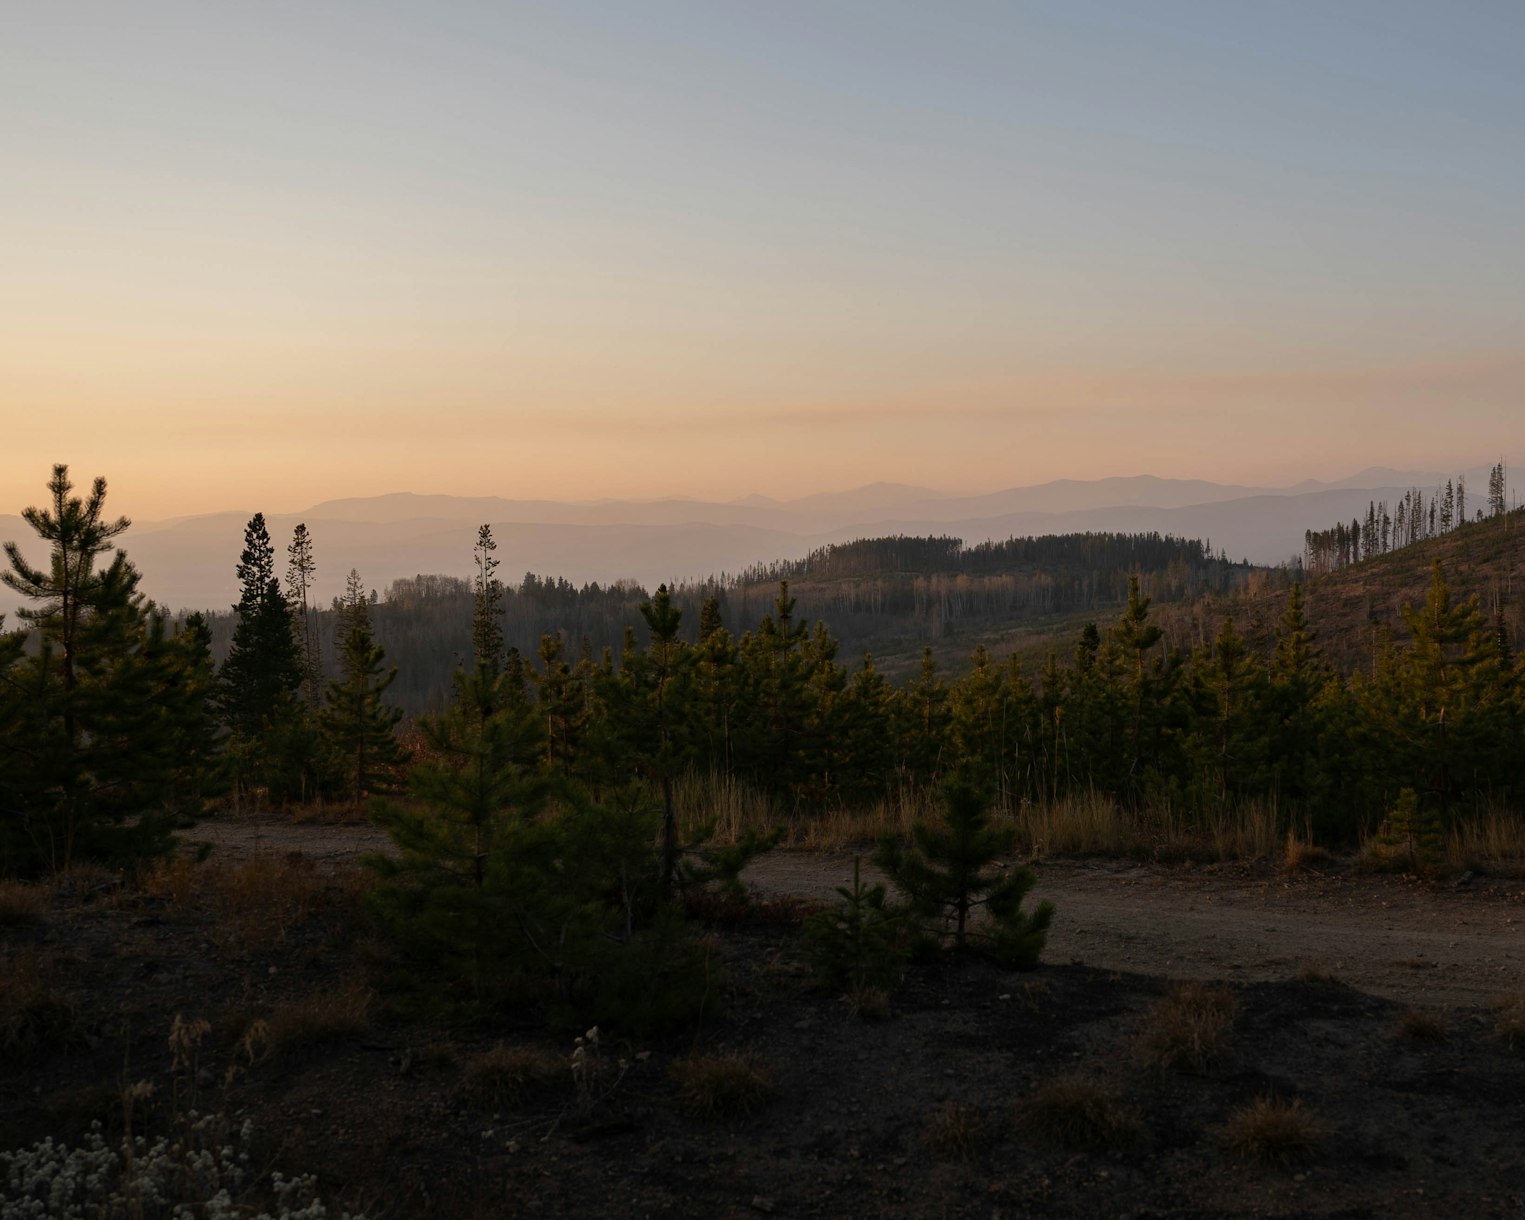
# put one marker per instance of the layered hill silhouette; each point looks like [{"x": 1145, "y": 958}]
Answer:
[{"x": 188, "y": 562}]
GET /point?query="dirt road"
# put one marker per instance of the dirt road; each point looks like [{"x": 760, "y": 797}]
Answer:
[{"x": 1435, "y": 944}]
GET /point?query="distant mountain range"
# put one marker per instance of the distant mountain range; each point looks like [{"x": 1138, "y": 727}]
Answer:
[{"x": 188, "y": 562}]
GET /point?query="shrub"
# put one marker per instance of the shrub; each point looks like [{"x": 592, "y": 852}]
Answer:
[
  {"x": 1270, "y": 1130},
  {"x": 1079, "y": 1114},
  {"x": 722, "y": 1085},
  {"x": 1189, "y": 1029}
]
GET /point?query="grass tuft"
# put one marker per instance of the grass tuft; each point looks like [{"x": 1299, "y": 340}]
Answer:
[
  {"x": 1078, "y": 1114},
  {"x": 953, "y": 1131},
  {"x": 721, "y": 1085},
  {"x": 1189, "y": 1029},
  {"x": 1423, "y": 1026},
  {"x": 503, "y": 1076},
  {"x": 317, "y": 1019},
  {"x": 1271, "y": 1131},
  {"x": 37, "y": 1014}
]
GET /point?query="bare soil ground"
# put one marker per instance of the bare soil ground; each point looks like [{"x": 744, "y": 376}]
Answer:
[
  {"x": 1364, "y": 1000},
  {"x": 1447, "y": 942}
]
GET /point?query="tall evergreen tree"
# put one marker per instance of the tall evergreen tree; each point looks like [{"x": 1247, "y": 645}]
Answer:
[
  {"x": 300, "y": 570},
  {"x": 487, "y": 605},
  {"x": 271, "y": 740},
  {"x": 101, "y": 748},
  {"x": 359, "y": 726},
  {"x": 263, "y": 667}
]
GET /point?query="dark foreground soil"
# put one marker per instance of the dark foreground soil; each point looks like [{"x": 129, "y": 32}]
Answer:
[{"x": 915, "y": 1114}]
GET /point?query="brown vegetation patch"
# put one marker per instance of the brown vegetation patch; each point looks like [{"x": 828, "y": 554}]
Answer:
[
  {"x": 38, "y": 1015},
  {"x": 1189, "y": 1029},
  {"x": 726, "y": 1085},
  {"x": 1269, "y": 1130},
  {"x": 329, "y": 1015},
  {"x": 504, "y": 1075},
  {"x": 20, "y": 903},
  {"x": 953, "y": 1131},
  {"x": 1421, "y": 1025},
  {"x": 1079, "y": 1114}
]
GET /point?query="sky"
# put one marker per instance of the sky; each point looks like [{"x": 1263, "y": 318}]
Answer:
[{"x": 261, "y": 255}]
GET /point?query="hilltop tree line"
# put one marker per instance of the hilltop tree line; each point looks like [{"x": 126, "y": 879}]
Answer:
[
  {"x": 876, "y": 594},
  {"x": 1414, "y": 518},
  {"x": 115, "y": 725}
]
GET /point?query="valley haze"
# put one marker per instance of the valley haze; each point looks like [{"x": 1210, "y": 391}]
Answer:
[{"x": 188, "y": 562}]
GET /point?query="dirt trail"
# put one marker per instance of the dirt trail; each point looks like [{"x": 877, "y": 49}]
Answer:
[{"x": 1435, "y": 944}]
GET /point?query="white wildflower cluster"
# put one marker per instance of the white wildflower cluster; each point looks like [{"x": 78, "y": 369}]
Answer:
[{"x": 199, "y": 1175}]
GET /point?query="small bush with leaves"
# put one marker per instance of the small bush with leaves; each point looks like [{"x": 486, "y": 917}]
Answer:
[
  {"x": 722, "y": 1085},
  {"x": 858, "y": 947},
  {"x": 1269, "y": 1130},
  {"x": 1189, "y": 1029},
  {"x": 1079, "y": 1114}
]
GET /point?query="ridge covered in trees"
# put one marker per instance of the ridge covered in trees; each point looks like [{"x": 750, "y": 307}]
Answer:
[{"x": 1126, "y": 709}]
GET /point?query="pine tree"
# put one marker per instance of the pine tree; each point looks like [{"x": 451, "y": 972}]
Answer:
[
  {"x": 450, "y": 893},
  {"x": 649, "y": 710},
  {"x": 300, "y": 570},
  {"x": 359, "y": 727},
  {"x": 263, "y": 668},
  {"x": 487, "y": 605},
  {"x": 104, "y": 742},
  {"x": 945, "y": 873}
]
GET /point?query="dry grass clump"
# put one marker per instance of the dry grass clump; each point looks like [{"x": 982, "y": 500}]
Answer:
[
  {"x": 20, "y": 903},
  {"x": 1302, "y": 854},
  {"x": 253, "y": 903},
  {"x": 1271, "y": 1131},
  {"x": 323, "y": 1017},
  {"x": 952, "y": 1131},
  {"x": 37, "y": 1014},
  {"x": 503, "y": 1076},
  {"x": 1078, "y": 1113},
  {"x": 1316, "y": 972},
  {"x": 1509, "y": 1018},
  {"x": 173, "y": 880},
  {"x": 1189, "y": 1029},
  {"x": 722, "y": 1085},
  {"x": 1423, "y": 1026},
  {"x": 868, "y": 1003}
]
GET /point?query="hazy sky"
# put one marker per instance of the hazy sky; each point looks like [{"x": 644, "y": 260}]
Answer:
[{"x": 259, "y": 255}]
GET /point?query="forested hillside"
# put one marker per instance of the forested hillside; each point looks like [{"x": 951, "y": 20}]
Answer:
[
  {"x": 1387, "y": 692},
  {"x": 877, "y": 595}
]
